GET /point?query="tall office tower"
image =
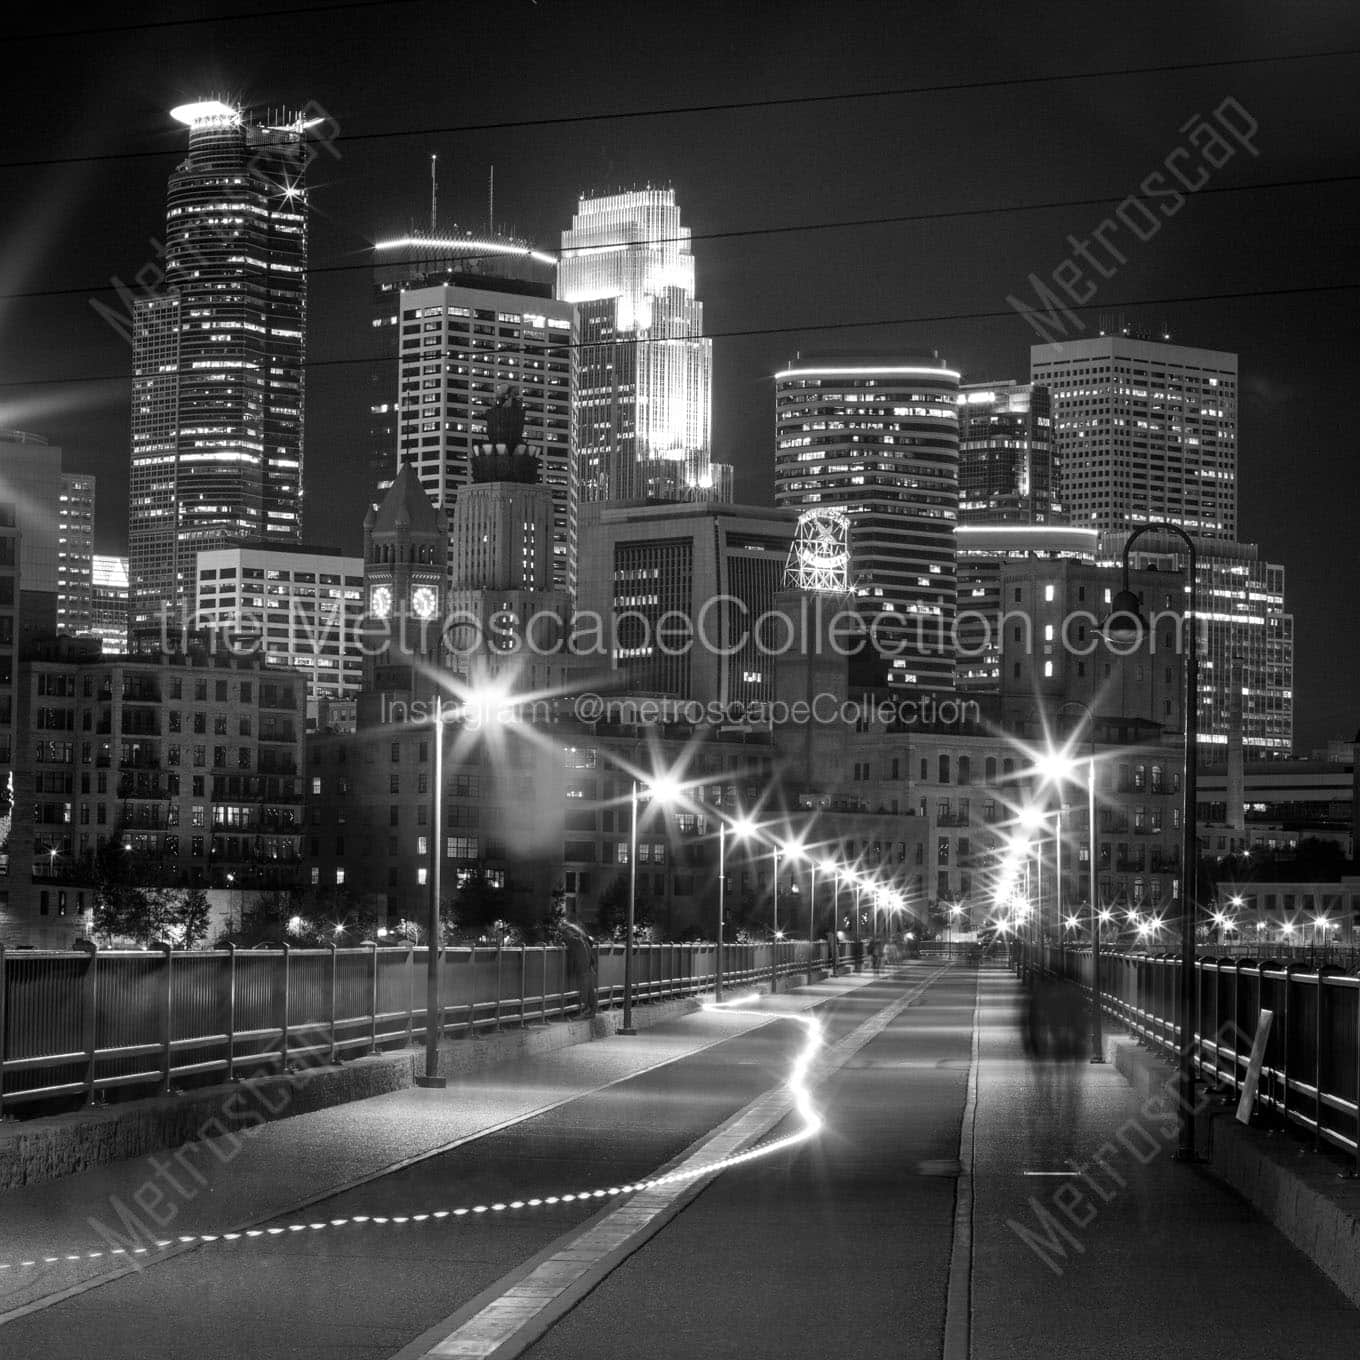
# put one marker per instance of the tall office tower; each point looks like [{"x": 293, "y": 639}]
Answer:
[
  {"x": 218, "y": 352},
  {"x": 9, "y": 664},
  {"x": 686, "y": 593},
  {"x": 75, "y": 553},
  {"x": 641, "y": 416},
  {"x": 1144, "y": 430},
  {"x": 877, "y": 438},
  {"x": 491, "y": 261},
  {"x": 109, "y": 604},
  {"x": 1147, "y": 431},
  {"x": 488, "y": 325},
  {"x": 1008, "y": 472},
  {"x": 1247, "y": 640},
  {"x": 507, "y": 613},
  {"x": 55, "y": 514},
  {"x": 298, "y": 607}
]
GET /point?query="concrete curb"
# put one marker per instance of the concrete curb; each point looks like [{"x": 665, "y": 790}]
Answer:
[
  {"x": 1297, "y": 1190},
  {"x": 35, "y": 1151}
]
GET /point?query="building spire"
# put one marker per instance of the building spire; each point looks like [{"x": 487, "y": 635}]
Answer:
[{"x": 434, "y": 193}]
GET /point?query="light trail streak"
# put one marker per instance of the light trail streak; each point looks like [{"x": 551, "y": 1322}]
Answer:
[{"x": 797, "y": 1085}]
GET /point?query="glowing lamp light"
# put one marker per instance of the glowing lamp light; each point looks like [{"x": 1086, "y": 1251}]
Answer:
[
  {"x": 206, "y": 113},
  {"x": 1072, "y": 923}
]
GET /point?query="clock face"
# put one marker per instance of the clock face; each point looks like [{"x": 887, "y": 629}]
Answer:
[
  {"x": 380, "y": 601},
  {"x": 424, "y": 602}
]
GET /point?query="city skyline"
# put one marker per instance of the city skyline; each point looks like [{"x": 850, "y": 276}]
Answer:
[{"x": 373, "y": 186}]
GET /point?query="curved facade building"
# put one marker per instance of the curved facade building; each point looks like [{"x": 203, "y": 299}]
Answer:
[
  {"x": 218, "y": 351},
  {"x": 878, "y": 439}
]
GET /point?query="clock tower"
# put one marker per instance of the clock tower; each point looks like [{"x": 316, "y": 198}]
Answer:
[{"x": 405, "y": 550}]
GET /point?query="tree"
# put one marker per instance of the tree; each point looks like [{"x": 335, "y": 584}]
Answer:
[
  {"x": 192, "y": 917},
  {"x": 479, "y": 903}
]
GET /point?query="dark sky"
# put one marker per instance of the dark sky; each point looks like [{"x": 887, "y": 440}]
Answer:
[{"x": 410, "y": 68}]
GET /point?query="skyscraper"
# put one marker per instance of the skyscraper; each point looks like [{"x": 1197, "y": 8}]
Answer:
[
  {"x": 877, "y": 438},
  {"x": 55, "y": 513},
  {"x": 1145, "y": 430},
  {"x": 642, "y": 402},
  {"x": 218, "y": 352},
  {"x": 109, "y": 604},
  {"x": 1007, "y": 466},
  {"x": 75, "y": 553},
  {"x": 475, "y": 319}
]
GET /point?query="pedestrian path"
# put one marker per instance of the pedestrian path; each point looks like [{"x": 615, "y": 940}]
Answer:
[
  {"x": 61, "y": 1238},
  {"x": 1087, "y": 1238}
]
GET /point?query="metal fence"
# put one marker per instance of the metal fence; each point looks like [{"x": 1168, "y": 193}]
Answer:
[
  {"x": 92, "y": 1022},
  {"x": 1311, "y": 1073}
]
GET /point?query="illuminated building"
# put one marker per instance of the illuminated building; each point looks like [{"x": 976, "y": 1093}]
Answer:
[
  {"x": 55, "y": 512},
  {"x": 109, "y": 604},
  {"x": 9, "y": 660},
  {"x": 470, "y": 317},
  {"x": 218, "y": 351},
  {"x": 1007, "y": 468},
  {"x": 641, "y": 401},
  {"x": 1147, "y": 431},
  {"x": 877, "y": 439},
  {"x": 984, "y": 553},
  {"x": 187, "y": 766},
  {"x": 1144, "y": 430},
  {"x": 297, "y": 607},
  {"x": 652, "y": 572},
  {"x": 1247, "y": 631}
]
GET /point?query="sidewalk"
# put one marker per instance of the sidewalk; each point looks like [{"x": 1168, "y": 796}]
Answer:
[
  {"x": 1087, "y": 1238},
  {"x": 232, "y": 1183}
]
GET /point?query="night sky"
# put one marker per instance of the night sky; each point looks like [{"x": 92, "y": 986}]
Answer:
[{"x": 400, "y": 79}]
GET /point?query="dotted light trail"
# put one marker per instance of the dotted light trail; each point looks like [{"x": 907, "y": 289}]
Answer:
[{"x": 796, "y": 1085}]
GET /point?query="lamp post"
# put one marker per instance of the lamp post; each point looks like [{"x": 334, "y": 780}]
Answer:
[
  {"x": 627, "y": 1026},
  {"x": 662, "y": 791},
  {"x": 433, "y": 1008},
  {"x": 1126, "y": 621},
  {"x": 722, "y": 904},
  {"x": 1063, "y": 767},
  {"x": 774, "y": 935}
]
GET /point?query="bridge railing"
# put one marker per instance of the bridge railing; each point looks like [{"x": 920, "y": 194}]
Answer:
[
  {"x": 90, "y": 1022},
  {"x": 1311, "y": 1071}
]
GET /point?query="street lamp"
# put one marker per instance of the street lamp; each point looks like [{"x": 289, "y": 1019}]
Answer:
[
  {"x": 1060, "y": 766},
  {"x": 1126, "y": 621},
  {"x": 434, "y": 1017},
  {"x": 663, "y": 791}
]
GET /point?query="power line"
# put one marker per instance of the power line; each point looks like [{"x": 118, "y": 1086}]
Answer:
[
  {"x": 839, "y": 224},
  {"x": 742, "y": 105},
  {"x": 44, "y": 35},
  {"x": 805, "y": 327}
]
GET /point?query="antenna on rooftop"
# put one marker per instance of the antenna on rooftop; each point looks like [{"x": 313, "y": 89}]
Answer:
[
  {"x": 491, "y": 201},
  {"x": 434, "y": 193}
]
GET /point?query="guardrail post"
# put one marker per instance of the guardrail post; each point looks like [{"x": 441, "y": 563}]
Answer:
[
  {"x": 543, "y": 995},
  {"x": 1287, "y": 1036},
  {"x": 231, "y": 1011},
  {"x": 4, "y": 1031},
  {"x": 373, "y": 998},
  {"x": 1319, "y": 1038},
  {"x": 335, "y": 956},
  {"x": 472, "y": 991},
  {"x": 523, "y": 981},
  {"x": 283, "y": 1025},
  {"x": 88, "y": 1018},
  {"x": 167, "y": 1016},
  {"x": 500, "y": 949},
  {"x": 410, "y": 993}
]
